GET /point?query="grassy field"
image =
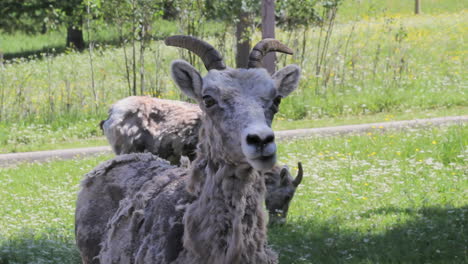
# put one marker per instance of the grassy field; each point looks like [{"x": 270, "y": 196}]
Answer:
[
  {"x": 379, "y": 198},
  {"x": 353, "y": 9},
  {"x": 377, "y": 64},
  {"x": 397, "y": 197}
]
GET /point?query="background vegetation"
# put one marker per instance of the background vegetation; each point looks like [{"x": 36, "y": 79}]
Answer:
[{"x": 359, "y": 58}]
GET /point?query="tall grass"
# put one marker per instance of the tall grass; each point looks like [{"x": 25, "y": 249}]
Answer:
[
  {"x": 383, "y": 65},
  {"x": 352, "y": 9},
  {"x": 371, "y": 66}
]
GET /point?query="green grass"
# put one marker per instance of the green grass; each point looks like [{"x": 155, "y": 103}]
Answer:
[
  {"x": 352, "y": 9},
  {"x": 37, "y": 212},
  {"x": 397, "y": 197},
  {"x": 285, "y": 124},
  {"x": 58, "y": 135},
  {"x": 379, "y": 198},
  {"x": 389, "y": 65}
]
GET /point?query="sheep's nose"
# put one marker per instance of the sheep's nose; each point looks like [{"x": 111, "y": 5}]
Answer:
[
  {"x": 260, "y": 139},
  {"x": 258, "y": 146}
]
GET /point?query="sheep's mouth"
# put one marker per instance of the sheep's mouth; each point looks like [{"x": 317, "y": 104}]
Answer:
[
  {"x": 263, "y": 162},
  {"x": 266, "y": 158}
]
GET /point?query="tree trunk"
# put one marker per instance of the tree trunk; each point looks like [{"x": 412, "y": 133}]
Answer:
[
  {"x": 75, "y": 37},
  {"x": 243, "y": 40},
  {"x": 417, "y": 7},
  {"x": 268, "y": 31}
]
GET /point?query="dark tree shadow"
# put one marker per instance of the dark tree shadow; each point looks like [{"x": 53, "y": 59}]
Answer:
[
  {"x": 433, "y": 235},
  {"x": 52, "y": 50},
  {"x": 46, "y": 247}
]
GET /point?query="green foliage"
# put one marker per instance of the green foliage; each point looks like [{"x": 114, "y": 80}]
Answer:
[
  {"x": 30, "y": 16},
  {"x": 228, "y": 11},
  {"x": 292, "y": 14}
]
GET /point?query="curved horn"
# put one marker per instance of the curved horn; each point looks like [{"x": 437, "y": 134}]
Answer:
[
  {"x": 262, "y": 48},
  {"x": 298, "y": 179},
  {"x": 209, "y": 55}
]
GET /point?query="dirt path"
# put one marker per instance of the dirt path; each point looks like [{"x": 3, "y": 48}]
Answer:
[{"x": 10, "y": 159}]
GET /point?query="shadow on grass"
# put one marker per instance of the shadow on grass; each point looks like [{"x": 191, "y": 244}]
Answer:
[
  {"x": 47, "y": 247},
  {"x": 53, "y": 50},
  {"x": 38, "y": 53},
  {"x": 431, "y": 235}
]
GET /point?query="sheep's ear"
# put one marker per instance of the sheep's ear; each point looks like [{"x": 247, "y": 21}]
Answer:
[
  {"x": 300, "y": 172},
  {"x": 284, "y": 176},
  {"x": 287, "y": 79},
  {"x": 187, "y": 78}
]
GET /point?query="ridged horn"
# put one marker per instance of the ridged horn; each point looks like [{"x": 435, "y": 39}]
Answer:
[
  {"x": 211, "y": 58},
  {"x": 262, "y": 48},
  {"x": 300, "y": 172}
]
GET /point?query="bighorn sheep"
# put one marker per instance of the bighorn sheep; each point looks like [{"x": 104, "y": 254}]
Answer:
[
  {"x": 280, "y": 189},
  {"x": 214, "y": 214},
  {"x": 144, "y": 124},
  {"x": 169, "y": 129}
]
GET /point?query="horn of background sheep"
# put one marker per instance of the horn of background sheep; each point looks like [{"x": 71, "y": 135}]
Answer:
[
  {"x": 298, "y": 179},
  {"x": 262, "y": 48},
  {"x": 209, "y": 55}
]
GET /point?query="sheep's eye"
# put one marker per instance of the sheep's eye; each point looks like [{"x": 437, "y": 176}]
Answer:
[
  {"x": 208, "y": 101},
  {"x": 277, "y": 101}
]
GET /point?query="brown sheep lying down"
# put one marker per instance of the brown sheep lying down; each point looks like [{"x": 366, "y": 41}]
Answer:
[
  {"x": 169, "y": 129},
  {"x": 165, "y": 128}
]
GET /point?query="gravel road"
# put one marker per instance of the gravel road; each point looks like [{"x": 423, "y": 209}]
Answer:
[{"x": 36, "y": 156}]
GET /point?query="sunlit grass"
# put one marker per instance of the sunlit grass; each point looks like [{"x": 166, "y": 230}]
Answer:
[
  {"x": 378, "y": 198},
  {"x": 396, "y": 197},
  {"x": 352, "y": 9},
  {"x": 282, "y": 123},
  {"x": 19, "y": 137}
]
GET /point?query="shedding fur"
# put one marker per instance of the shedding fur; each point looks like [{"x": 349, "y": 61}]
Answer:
[
  {"x": 159, "y": 219},
  {"x": 144, "y": 124},
  {"x": 280, "y": 187}
]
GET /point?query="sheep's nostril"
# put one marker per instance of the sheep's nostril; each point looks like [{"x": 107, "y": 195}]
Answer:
[
  {"x": 253, "y": 140},
  {"x": 269, "y": 139}
]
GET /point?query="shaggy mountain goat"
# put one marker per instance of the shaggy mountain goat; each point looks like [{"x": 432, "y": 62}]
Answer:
[
  {"x": 214, "y": 214},
  {"x": 280, "y": 189},
  {"x": 144, "y": 124},
  {"x": 169, "y": 129}
]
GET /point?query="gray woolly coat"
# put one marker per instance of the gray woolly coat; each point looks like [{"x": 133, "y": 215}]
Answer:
[
  {"x": 136, "y": 209},
  {"x": 145, "y": 124}
]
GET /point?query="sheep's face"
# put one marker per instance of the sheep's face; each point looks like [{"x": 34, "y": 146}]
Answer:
[
  {"x": 239, "y": 106},
  {"x": 281, "y": 187}
]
